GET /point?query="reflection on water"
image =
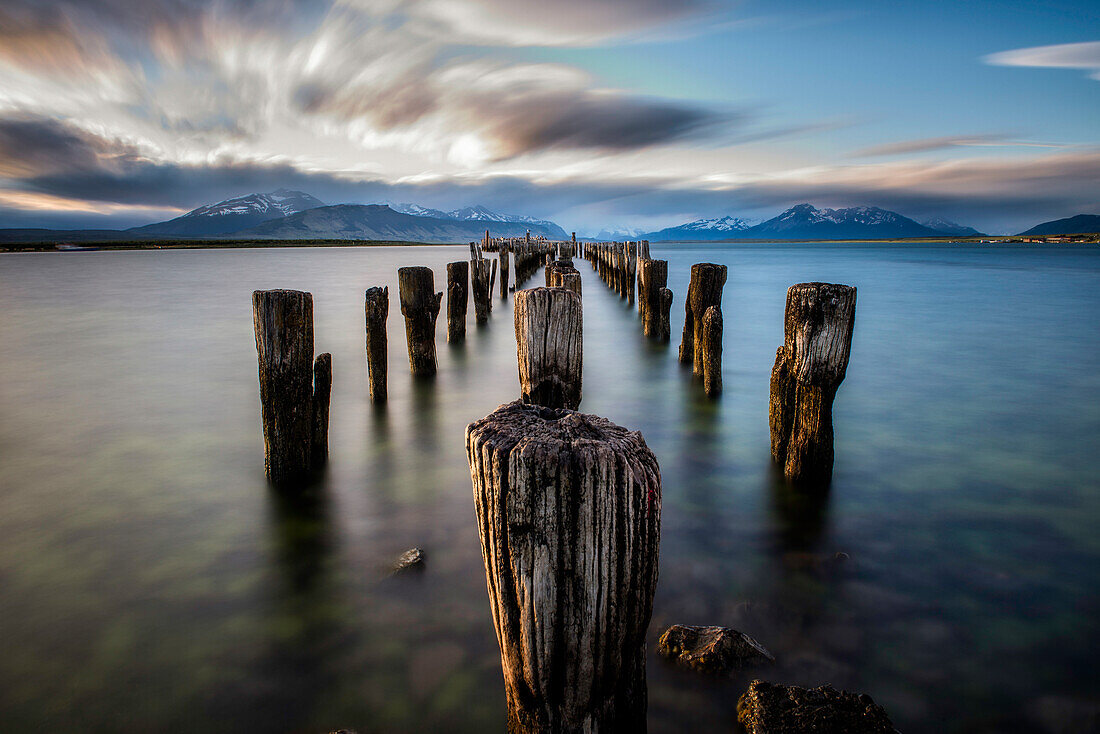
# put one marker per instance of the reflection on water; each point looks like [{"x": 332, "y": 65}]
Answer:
[{"x": 151, "y": 581}]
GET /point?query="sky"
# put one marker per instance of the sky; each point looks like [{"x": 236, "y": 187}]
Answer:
[{"x": 598, "y": 114}]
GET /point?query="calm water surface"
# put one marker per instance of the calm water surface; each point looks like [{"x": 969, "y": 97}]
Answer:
[{"x": 150, "y": 581}]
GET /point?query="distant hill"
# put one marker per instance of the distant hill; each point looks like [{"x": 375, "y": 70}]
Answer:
[
  {"x": 1080, "y": 224},
  {"x": 723, "y": 228},
  {"x": 232, "y": 215},
  {"x": 380, "y": 222},
  {"x": 481, "y": 214},
  {"x": 804, "y": 222},
  {"x": 948, "y": 227}
]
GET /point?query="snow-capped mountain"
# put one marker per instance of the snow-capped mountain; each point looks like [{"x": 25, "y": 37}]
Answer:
[
  {"x": 806, "y": 221},
  {"x": 720, "y": 228},
  {"x": 620, "y": 234},
  {"x": 233, "y": 215},
  {"x": 948, "y": 227},
  {"x": 479, "y": 213}
]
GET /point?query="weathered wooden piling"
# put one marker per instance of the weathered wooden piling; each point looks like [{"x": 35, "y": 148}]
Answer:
[
  {"x": 652, "y": 279},
  {"x": 705, "y": 290},
  {"x": 294, "y": 390},
  {"x": 458, "y": 275},
  {"x": 420, "y": 307},
  {"x": 479, "y": 287},
  {"x": 377, "y": 306},
  {"x": 809, "y": 367},
  {"x": 710, "y": 351},
  {"x": 569, "y": 513},
  {"x": 549, "y": 346},
  {"x": 505, "y": 270},
  {"x": 492, "y": 281}
]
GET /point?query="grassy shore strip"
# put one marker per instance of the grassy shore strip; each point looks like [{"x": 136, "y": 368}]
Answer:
[{"x": 193, "y": 244}]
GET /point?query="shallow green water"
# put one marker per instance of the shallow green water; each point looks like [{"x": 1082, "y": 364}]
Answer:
[{"x": 149, "y": 581}]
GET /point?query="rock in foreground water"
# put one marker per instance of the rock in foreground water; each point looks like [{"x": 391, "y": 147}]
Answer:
[
  {"x": 411, "y": 559},
  {"x": 715, "y": 650},
  {"x": 767, "y": 708}
]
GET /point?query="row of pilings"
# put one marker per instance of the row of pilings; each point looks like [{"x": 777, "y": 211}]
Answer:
[{"x": 559, "y": 494}]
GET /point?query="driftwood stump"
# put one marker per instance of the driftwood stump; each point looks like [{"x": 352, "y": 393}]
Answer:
[
  {"x": 294, "y": 411},
  {"x": 652, "y": 279},
  {"x": 705, "y": 290},
  {"x": 809, "y": 367},
  {"x": 420, "y": 307},
  {"x": 377, "y": 306},
  {"x": 458, "y": 274},
  {"x": 710, "y": 352},
  {"x": 549, "y": 347},
  {"x": 569, "y": 512},
  {"x": 479, "y": 288}
]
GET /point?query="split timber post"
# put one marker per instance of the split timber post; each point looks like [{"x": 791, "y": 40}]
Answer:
[
  {"x": 809, "y": 367},
  {"x": 458, "y": 275},
  {"x": 479, "y": 287},
  {"x": 569, "y": 513},
  {"x": 549, "y": 347},
  {"x": 377, "y": 306},
  {"x": 294, "y": 388},
  {"x": 652, "y": 279},
  {"x": 630, "y": 266},
  {"x": 705, "y": 290},
  {"x": 420, "y": 307},
  {"x": 504, "y": 270},
  {"x": 710, "y": 352},
  {"x": 492, "y": 281}
]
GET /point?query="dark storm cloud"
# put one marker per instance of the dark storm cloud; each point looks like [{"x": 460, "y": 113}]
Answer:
[{"x": 33, "y": 146}]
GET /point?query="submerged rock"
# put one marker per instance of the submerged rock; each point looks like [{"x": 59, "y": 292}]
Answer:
[
  {"x": 767, "y": 708},
  {"x": 412, "y": 559},
  {"x": 715, "y": 650}
]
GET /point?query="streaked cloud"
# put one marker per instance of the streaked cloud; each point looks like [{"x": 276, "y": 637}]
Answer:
[
  {"x": 925, "y": 145},
  {"x": 1062, "y": 56}
]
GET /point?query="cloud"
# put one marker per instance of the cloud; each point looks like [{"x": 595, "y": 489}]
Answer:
[
  {"x": 1062, "y": 56},
  {"x": 925, "y": 145}
]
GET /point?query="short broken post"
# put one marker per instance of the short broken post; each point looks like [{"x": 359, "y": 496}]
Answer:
[
  {"x": 569, "y": 513},
  {"x": 704, "y": 291},
  {"x": 458, "y": 274},
  {"x": 652, "y": 279},
  {"x": 479, "y": 288},
  {"x": 809, "y": 367},
  {"x": 549, "y": 346},
  {"x": 377, "y": 305},
  {"x": 294, "y": 389},
  {"x": 710, "y": 352},
  {"x": 420, "y": 307}
]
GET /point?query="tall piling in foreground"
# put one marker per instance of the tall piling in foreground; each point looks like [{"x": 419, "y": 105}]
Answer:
[
  {"x": 549, "y": 347},
  {"x": 809, "y": 367},
  {"x": 652, "y": 279},
  {"x": 294, "y": 411},
  {"x": 569, "y": 512},
  {"x": 710, "y": 351},
  {"x": 377, "y": 306},
  {"x": 704, "y": 291},
  {"x": 458, "y": 275},
  {"x": 420, "y": 307}
]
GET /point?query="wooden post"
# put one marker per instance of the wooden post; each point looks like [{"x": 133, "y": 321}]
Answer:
[
  {"x": 549, "y": 346},
  {"x": 705, "y": 290},
  {"x": 420, "y": 307},
  {"x": 809, "y": 367},
  {"x": 504, "y": 271},
  {"x": 492, "y": 281},
  {"x": 458, "y": 274},
  {"x": 710, "y": 352},
  {"x": 569, "y": 513},
  {"x": 479, "y": 285},
  {"x": 652, "y": 279},
  {"x": 570, "y": 280},
  {"x": 664, "y": 327},
  {"x": 294, "y": 390},
  {"x": 377, "y": 310},
  {"x": 322, "y": 391}
]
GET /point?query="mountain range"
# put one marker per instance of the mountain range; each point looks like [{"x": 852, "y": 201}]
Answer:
[
  {"x": 287, "y": 215},
  {"x": 807, "y": 222}
]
